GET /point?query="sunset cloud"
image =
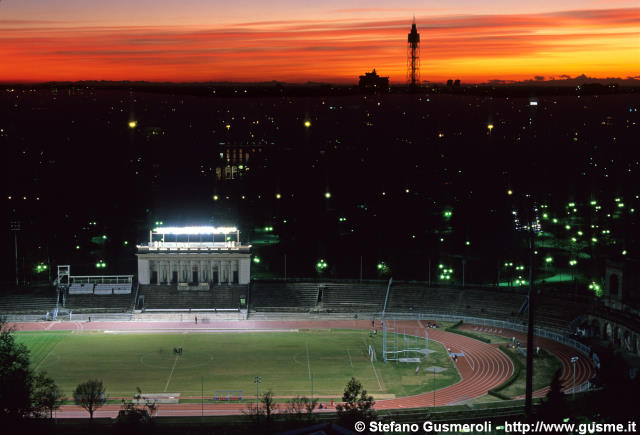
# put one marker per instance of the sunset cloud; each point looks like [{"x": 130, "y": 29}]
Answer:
[{"x": 471, "y": 47}]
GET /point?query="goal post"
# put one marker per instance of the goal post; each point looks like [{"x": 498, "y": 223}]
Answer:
[
  {"x": 399, "y": 346},
  {"x": 372, "y": 353}
]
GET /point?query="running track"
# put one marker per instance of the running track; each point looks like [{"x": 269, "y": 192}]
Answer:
[{"x": 483, "y": 367}]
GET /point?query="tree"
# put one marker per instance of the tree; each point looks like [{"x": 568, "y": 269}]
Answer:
[
  {"x": 22, "y": 392},
  {"x": 91, "y": 395},
  {"x": 46, "y": 396},
  {"x": 356, "y": 406},
  {"x": 553, "y": 409},
  {"x": 301, "y": 408},
  {"x": 15, "y": 376},
  {"x": 268, "y": 405}
]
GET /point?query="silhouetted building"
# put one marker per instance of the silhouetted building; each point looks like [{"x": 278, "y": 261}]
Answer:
[{"x": 372, "y": 80}]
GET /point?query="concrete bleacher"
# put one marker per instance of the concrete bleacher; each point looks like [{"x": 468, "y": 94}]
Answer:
[
  {"x": 351, "y": 297},
  {"x": 81, "y": 288},
  {"x": 107, "y": 302},
  {"x": 168, "y": 297},
  {"x": 290, "y": 296},
  {"x": 355, "y": 297},
  {"x": 28, "y": 302}
]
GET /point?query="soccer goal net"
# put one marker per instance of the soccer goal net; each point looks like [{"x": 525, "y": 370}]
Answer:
[{"x": 400, "y": 346}]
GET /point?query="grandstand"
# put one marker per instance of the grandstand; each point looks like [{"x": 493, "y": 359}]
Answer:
[
  {"x": 283, "y": 296},
  {"x": 37, "y": 302},
  {"x": 169, "y": 297},
  {"x": 352, "y": 297}
]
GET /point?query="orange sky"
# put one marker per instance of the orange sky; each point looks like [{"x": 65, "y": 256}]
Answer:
[{"x": 335, "y": 46}]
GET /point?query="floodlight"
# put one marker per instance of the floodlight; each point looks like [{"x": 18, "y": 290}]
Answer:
[{"x": 194, "y": 230}]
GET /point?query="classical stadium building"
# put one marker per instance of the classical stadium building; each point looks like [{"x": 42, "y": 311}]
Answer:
[{"x": 196, "y": 257}]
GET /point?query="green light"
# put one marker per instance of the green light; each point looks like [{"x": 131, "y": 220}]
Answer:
[
  {"x": 572, "y": 204},
  {"x": 555, "y": 221},
  {"x": 549, "y": 259},
  {"x": 77, "y": 247},
  {"x": 545, "y": 215},
  {"x": 125, "y": 243},
  {"x": 593, "y": 203},
  {"x": 594, "y": 240},
  {"x": 468, "y": 243},
  {"x": 442, "y": 239},
  {"x": 620, "y": 205},
  {"x": 573, "y": 262},
  {"x": 573, "y": 239},
  {"x": 566, "y": 420},
  {"x": 268, "y": 229},
  {"x": 240, "y": 166},
  {"x": 104, "y": 237},
  {"x": 342, "y": 219},
  {"x": 256, "y": 260},
  {"x": 447, "y": 214},
  {"x": 440, "y": 266},
  {"x": 624, "y": 252},
  {"x": 580, "y": 233},
  {"x": 567, "y": 227}
]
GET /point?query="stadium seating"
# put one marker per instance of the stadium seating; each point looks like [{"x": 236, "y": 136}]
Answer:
[
  {"x": 343, "y": 297},
  {"x": 168, "y": 297},
  {"x": 107, "y": 303},
  {"x": 81, "y": 289},
  {"x": 274, "y": 296},
  {"x": 353, "y": 297},
  {"x": 28, "y": 303}
]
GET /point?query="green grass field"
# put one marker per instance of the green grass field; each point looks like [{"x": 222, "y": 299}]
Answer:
[{"x": 288, "y": 362}]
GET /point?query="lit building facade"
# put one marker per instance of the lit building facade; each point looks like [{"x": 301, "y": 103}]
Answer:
[{"x": 194, "y": 257}]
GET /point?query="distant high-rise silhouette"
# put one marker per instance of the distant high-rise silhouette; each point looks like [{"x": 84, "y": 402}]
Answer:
[{"x": 413, "y": 56}]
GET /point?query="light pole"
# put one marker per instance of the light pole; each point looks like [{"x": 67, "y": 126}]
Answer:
[
  {"x": 574, "y": 360},
  {"x": 434, "y": 386},
  {"x": 257, "y": 380},
  {"x": 15, "y": 227}
]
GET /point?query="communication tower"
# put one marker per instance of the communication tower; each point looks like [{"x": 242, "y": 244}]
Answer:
[{"x": 413, "y": 56}]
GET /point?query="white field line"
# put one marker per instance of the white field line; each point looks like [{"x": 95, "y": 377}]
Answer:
[
  {"x": 377, "y": 378},
  {"x": 175, "y": 361},
  {"x": 46, "y": 356},
  {"x": 308, "y": 363},
  {"x": 350, "y": 361}
]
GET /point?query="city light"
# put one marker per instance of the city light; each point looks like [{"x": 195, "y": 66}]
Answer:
[
  {"x": 548, "y": 259},
  {"x": 101, "y": 265},
  {"x": 327, "y": 195},
  {"x": 256, "y": 260},
  {"x": 215, "y": 197},
  {"x": 321, "y": 266},
  {"x": 490, "y": 127},
  {"x": 278, "y": 196},
  {"x": 307, "y": 124},
  {"x": 41, "y": 268},
  {"x": 509, "y": 192},
  {"x": 133, "y": 124}
]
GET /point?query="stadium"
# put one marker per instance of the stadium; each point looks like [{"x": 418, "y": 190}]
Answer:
[{"x": 198, "y": 337}]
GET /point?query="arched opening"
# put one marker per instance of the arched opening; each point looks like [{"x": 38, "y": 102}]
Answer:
[{"x": 607, "y": 331}]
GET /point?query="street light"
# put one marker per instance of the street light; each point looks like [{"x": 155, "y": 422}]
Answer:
[
  {"x": 257, "y": 380},
  {"x": 574, "y": 360}
]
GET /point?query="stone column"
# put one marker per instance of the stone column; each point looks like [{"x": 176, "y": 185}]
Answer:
[{"x": 219, "y": 272}]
